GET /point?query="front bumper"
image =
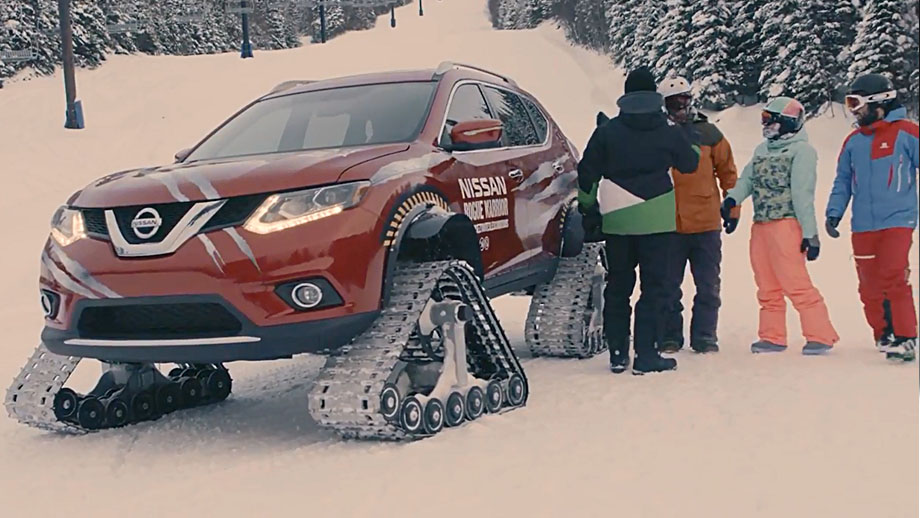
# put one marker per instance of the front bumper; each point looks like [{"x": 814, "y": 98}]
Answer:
[{"x": 245, "y": 341}]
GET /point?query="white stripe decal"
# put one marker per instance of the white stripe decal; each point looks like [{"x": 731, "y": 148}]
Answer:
[
  {"x": 82, "y": 275},
  {"x": 212, "y": 251},
  {"x": 864, "y": 257},
  {"x": 204, "y": 186},
  {"x": 244, "y": 246},
  {"x": 64, "y": 280},
  {"x": 170, "y": 182}
]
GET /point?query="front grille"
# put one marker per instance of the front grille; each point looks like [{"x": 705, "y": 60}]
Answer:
[
  {"x": 94, "y": 219},
  {"x": 170, "y": 214},
  {"x": 234, "y": 212},
  {"x": 157, "y": 321}
]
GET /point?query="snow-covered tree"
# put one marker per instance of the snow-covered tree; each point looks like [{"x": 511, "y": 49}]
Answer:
[
  {"x": 747, "y": 61},
  {"x": 672, "y": 38},
  {"x": 642, "y": 51},
  {"x": 709, "y": 55},
  {"x": 883, "y": 45}
]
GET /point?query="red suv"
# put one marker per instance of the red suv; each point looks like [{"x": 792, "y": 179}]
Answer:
[{"x": 369, "y": 218}]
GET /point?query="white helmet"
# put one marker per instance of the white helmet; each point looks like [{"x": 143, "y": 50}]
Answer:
[{"x": 674, "y": 86}]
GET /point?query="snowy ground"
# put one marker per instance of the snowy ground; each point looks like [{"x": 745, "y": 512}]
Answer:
[{"x": 726, "y": 435}]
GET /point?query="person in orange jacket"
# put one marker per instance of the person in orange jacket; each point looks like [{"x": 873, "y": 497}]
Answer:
[{"x": 699, "y": 224}]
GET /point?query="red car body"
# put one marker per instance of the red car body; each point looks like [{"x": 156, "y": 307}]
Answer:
[{"x": 220, "y": 293}]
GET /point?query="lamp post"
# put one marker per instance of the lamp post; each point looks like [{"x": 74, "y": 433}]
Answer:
[
  {"x": 246, "y": 50},
  {"x": 74, "y": 117}
]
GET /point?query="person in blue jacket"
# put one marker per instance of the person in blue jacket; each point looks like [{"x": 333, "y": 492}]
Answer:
[{"x": 877, "y": 172}]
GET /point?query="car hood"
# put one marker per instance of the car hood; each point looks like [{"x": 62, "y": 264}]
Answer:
[{"x": 225, "y": 178}]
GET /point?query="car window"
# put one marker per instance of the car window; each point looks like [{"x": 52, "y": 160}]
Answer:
[
  {"x": 337, "y": 117},
  {"x": 467, "y": 104},
  {"x": 518, "y": 130},
  {"x": 537, "y": 117}
]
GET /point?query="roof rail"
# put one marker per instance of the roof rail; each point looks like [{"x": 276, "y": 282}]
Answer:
[
  {"x": 287, "y": 85},
  {"x": 445, "y": 66}
]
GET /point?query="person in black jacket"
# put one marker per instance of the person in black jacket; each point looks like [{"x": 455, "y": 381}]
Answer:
[{"x": 626, "y": 194}]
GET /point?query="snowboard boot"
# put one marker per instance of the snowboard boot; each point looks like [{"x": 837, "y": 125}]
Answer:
[
  {"x": 763, "y": 346},
  {"x": 669, "y": 346},
  {"x": 619, "y": 355},
  {"x": 816, "y": 348},
  {"x": 883, "y": 344},
  {"x": 903, "y": 349},
  {"x": 705, "y": 346},
  {"x": 653, "y": 362}
]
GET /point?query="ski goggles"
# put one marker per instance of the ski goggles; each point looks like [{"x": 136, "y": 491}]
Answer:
[
  {"x": 767, "y": 118},
  {"x": 854, "y": 102},
  {"x": 677, "y": 103}
]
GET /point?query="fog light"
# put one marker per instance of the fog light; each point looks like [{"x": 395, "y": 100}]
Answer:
[
  {"x": 307, "y": 295},
  {"x": 49, "y": 302}
]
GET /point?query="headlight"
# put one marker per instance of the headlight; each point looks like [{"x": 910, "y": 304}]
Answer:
[
  {"x": 286, "y": 210},
  {"x": 67, "y": 226}
]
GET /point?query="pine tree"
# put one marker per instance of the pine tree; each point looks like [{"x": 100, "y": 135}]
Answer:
[
  {"x": 883, "y": 40},
  {"x": 642, "y": 51},
  {"x": 709, "y": 53},
  {"x": 589, "y": 26},
  {"x": 835, "y": 27},
  {"x": 911, "y": 23},
  {"x": 747, "y": 61},
  {"x": 619, "y": 34},
  {"x": 672, "y": 37}
]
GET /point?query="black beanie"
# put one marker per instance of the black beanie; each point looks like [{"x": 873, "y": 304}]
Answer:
[{"x": 640, "y": 79}]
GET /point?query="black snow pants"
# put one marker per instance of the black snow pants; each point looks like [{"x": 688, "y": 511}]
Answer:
[
  {"x": 624, "y": 253},
  {"x": 704, "y": 253}
]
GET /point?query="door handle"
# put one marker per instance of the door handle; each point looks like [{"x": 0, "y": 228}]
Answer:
[{"x": 516, "y": 174}]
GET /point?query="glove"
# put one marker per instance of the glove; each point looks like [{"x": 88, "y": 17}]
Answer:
[
  {"x": 831, "y": 226},
  {"x": 812, "y": 247},
  {"x": 591, "y": 224},
  {"x": 728, "y": 222}
]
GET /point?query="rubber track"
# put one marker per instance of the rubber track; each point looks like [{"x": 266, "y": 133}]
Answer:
[
  {"x": 556, "y": 320},
  {"x": 30, "y": 399},
  {"x": 346, "y": 394}
]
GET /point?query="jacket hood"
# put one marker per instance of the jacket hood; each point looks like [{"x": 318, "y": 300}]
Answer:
[
  {"x": 641, "y": 102},
  {"x": 227, "y": 177}
]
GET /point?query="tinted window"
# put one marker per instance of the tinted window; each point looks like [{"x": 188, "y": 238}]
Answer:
[
  {"x": 338, "y": 117},
  {"x": 518, "y": 130},
  {"x": 537, "y": 117},
  {"x": 467, "y": 104}
]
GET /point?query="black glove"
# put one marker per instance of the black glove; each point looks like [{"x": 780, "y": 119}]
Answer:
[
  {"x": 831, "y": 226},
  {"x": 591, "y": 224},
  {"x": 812, "y": 246},
  {"x": 728, "y": 222}
]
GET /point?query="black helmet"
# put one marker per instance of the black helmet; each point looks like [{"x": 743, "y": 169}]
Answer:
[
  {"x": 874, "y": 89},
  {"x": 870, "y": 84}
]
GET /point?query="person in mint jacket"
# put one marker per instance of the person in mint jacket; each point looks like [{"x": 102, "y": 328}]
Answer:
[
  {"x": 877, "y": 170},
  {"x": 626, "y": 196},
  {"x": 781, "y": 177}
]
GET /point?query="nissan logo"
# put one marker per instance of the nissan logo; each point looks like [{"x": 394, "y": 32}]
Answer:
[{"x": 146, "y": 223}]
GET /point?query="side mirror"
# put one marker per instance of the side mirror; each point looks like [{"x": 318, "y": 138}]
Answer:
[
  {"x": 183, "y": 154},
  {"x": 476, "y": 134}
]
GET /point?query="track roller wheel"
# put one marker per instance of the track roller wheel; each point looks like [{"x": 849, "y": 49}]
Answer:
[
  {"x": 168, "y": 397},
  {"x": 411, "y": 415},
  {"x": 475, "y": 403},
  {"x": 143, "y": 406},
  {"x": 66, "y": 402},
  {"x": 116, "y": 412},
  {"x": 494, "y": 396},
  {"x": 176, "y": 373},
  {"x": 517, "y": 390},
  {"x": 434, "y": 416},
  {"x": 91, "y": 413},
  {"x": 190, "y": 388},
  {"x": 218, "y": 384},
  {"x": 389, "y": 402},
  {"x": 455, "y": 409}
]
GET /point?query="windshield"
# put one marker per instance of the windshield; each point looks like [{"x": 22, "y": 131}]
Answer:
[{"x": 338, "y": 117}]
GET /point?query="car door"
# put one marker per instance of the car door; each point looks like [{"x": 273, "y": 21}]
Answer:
[
  {"x": 477, "y": 183},
  {"x": 528, "y": 159}
]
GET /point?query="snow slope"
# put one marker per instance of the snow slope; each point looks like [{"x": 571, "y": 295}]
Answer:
[{"x": 726, "y": 435}]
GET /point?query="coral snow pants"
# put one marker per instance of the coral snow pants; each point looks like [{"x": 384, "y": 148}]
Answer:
[
  {"x": 883, "y": 270},
  {"x": 779, "y": 271}
]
